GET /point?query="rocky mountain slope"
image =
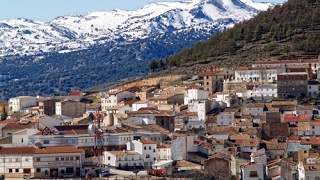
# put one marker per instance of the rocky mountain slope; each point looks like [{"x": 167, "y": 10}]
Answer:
[{"x": 81, "y": 51}]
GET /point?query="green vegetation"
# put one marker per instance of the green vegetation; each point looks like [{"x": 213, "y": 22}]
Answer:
[{"x": 288, "y": 31}]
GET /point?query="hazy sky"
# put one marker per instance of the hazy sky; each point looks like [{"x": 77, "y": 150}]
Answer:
[{"x": 46, "y": 10}]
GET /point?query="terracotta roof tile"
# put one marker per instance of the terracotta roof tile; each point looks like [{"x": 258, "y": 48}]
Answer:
[
  {"x": 310, "y": 141},
  {"x": 19, "y": 126},
  {"x": 75, "y": 93},
  {"x": 297, "y": 117},
  {"x": 17, "y": 150},
  {"x": 147, "y": 141},
  {"x": 58, "y": 149},
  {"x": 255, "y": 105}
]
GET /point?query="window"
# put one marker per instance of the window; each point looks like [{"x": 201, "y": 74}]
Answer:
[
  {"x": 71, "y": 158},
  {"x": 108, "y": 157},
  {"x": 67, "y": 158},
  {"x": 139, "y": 157},
  {"x": 17, "y": 170},
  {"x": 145, "y": 148},
  {"x": 154, "y": 150},
  {"x": 38, "y": 170},
  {"x": 149, "y": 147},
  {"x": 253, "y": 173},
  {"x": 10, "y": 170},
  {"x": 46, "y": 142},
  {"x": 57, "y": 159},
  {"x": 37, "y": 159},
  {"x": 17, "y": 160},
  {"x": 62, "y": 158},
  {"x": 77, "y": 158},
  {"x": 147, "y": 156},
  {"x": 46, "y": 172},
  {"x": 26, "y": 160}
]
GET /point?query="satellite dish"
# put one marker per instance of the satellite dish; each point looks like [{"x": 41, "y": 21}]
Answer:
[{"x": 92, "y": 129}]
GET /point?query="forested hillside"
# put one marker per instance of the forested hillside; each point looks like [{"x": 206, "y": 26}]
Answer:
[{"x": 287, "y": 31}]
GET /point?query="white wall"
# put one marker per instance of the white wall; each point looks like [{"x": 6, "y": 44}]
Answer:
[
  {"x": 263, "y": 91},
  {"x": 258, "y": 168},
  {"x": 195, "y": 94}
]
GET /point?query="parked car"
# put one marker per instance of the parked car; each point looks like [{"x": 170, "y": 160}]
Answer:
[
  {"x": 67, "y": 175},
  {"x": 27, "y": 176}
]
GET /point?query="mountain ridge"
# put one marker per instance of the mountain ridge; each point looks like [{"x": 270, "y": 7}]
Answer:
[
  {"x": 28, "y": 37},
  {"x": 62, "y": 62}
]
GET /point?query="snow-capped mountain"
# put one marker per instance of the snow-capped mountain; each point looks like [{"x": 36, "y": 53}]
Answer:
[{"x": 70, "y": 33}]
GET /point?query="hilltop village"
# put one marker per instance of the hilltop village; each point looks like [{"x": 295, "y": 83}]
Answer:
[{"x": 258, "y": 122}]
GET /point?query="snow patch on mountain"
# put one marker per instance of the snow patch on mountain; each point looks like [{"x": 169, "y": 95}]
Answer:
[{"x": 69, "y": 33}]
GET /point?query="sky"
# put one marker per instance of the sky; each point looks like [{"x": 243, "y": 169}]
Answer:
[{"x": 47, "y": 10}]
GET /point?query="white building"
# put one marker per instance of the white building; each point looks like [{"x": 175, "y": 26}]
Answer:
[
  {"x": 123, "y": 159},
  {"x": 314, "y": 88},
  {"x": 163, "y": 152},
  {"x": 113, "y": 98},
  {"x": 141, "y": 104},
  {"x": 112, "y": 139},
  {"x": 257, "y": 74},
  {"x": 225, "y": 118},
  {"x": 147, "y": 148},
  {"x": 314, "y": 128},
  {"x": 118, "y": 109},
  {"x": 19, "y": 103},
  {"x": 202, "y": 107},
  {"x": 180, "y": 147},
  {"x": 21, "y": 138},
  {"x": 255, "y": 109},
  {"x": 228, "y": 98},
  {"x": 252, "y": 171},
  {"x": 313, "y": 63},
  {"x": 194, "y": 93},
  {"x": 259, "y": 156},
  {"x": 269, "y": 90},
  {"x": 41, "y": 162}
]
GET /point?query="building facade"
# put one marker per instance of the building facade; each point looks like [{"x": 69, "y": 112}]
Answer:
[{"x": 292, "y": 84}]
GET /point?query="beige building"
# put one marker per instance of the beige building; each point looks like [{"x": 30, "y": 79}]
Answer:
[
  {"x": 47, "y": 107},
  {"x": 41, "y": 162},
  {"x": 213, "y": 79}
]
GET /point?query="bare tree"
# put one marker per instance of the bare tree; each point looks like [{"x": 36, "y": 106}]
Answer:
[
  {"x": 263, "y": 75},
  {"x": 218, "y": 168}
]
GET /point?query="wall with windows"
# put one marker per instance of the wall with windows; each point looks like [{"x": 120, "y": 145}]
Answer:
[{"x": 15, "y": 165}]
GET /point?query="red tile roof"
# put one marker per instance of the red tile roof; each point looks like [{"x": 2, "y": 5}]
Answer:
[
  {"x": 194, "y": 86},
  {"x": 147, "y": 141},
  {"x": 19, "y": 126},
  {"x": 17, "y": 150},
  {"x": 75, "y": 93},
  {"x": 297, "y": 117},
  {"x": 58, "y": 149}
]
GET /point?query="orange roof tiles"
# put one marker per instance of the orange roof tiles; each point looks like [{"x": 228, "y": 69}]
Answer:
[
  {"x": 310, "y": 141},
  {"x": 58, "y": 149},
  {"x": 17, "y": 150},
  {"x": 314, "y": 123},
  {"x": 75, "y": 93},
  {"x": 19, "y": 126},
  {"x": 255, "y": 105},
  {"x": 297, "y": 117},
  {"x": 46, "y": 150},
  {"x": 147, "y": 141}
]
